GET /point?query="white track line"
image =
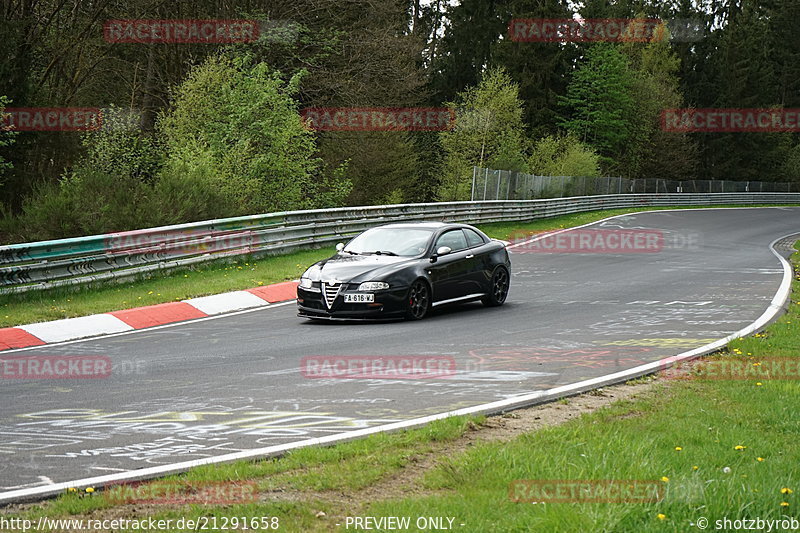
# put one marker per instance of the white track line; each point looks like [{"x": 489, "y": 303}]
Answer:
[{"x": 774, "y": 308}]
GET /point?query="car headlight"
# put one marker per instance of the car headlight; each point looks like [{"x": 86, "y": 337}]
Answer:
[
  {"x": 373, "y": 286},
  {"x": 306, "y": 283}
]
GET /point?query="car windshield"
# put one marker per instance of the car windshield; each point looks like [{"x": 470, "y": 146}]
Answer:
[{"x": 390, "y": 241}]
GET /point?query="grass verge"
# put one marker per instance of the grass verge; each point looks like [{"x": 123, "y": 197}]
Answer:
[
  {"x": 718, "y": 448},
  {"x": 217, "y": 277}
]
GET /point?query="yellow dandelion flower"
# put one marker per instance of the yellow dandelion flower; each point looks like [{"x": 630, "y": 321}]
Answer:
[
  {"x": 758, "y": 383},
  {"x": 784, "y": 504},
  {"x": 89, "y": 489},
  {"x": 739, "y": 447},
  {"x": 661, "y": 516},
  {"x": 678, "y": 448},
  {"x": 695, "y": 467},
  {"x": 786, "y": 490},
  {"x": 759, "y": 459},
  {"x": 665, "y": 479}
]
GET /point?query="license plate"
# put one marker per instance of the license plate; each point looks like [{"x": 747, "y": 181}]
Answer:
[{"x": 359, "y": 298}]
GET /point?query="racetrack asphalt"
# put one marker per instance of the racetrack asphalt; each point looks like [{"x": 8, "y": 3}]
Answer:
[{"x": 237, "y": 382}]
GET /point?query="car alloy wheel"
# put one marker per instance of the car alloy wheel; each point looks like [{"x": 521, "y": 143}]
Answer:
[
  {"x": 499, "y": 288},
  {"x": 419, "y": 300}
]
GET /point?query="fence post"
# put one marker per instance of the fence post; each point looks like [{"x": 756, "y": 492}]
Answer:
[
  {"x": 472, "y": 193},
  {"x": 485, "y": 182}
]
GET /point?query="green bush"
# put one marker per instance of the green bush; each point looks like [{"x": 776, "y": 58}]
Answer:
[
  {"x": 107, "y": 190},
  {"x": 563, "y": 156},
  {"x": 243, "y": 120},
  {"x": 191, "y": 188},
  {"x": 90, "y": 202}
]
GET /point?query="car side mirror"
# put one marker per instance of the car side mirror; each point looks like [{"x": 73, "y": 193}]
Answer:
[
  {"x": 442, "y": 250},
  {"x": 339, "y": 247}
]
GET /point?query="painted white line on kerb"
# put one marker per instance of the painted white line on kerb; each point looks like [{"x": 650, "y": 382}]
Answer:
[
  {"x": 74, "y": 328},
  {"x": 517, "y": 402},
  {"x": 226, "y": 302}
]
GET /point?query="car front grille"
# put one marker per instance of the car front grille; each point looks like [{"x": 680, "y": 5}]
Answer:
[{"x": 330, "y": 291}]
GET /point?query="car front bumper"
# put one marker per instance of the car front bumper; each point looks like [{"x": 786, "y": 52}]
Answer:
[{"x": 390, "y": 303}]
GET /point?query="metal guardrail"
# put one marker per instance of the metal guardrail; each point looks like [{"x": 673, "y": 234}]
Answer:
[{"x": 128, "y": 254}]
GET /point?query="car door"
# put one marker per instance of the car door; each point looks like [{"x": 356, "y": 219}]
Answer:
[
  {"x": 480, "y": 261},
  {"x": 450, "y": 273}
]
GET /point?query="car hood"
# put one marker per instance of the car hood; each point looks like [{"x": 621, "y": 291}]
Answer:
[{"x": 357, "y": 268}]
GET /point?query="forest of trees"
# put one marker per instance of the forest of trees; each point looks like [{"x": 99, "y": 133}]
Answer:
[{"x": 199, "y": 131}]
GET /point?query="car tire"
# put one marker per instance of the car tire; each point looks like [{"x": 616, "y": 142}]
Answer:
[
  {"x": 418, "y": 300},
  {"x": 498, "y": 288}
]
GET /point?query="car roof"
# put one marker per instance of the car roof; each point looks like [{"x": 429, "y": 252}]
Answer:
[{"x": 423, "y": 224}]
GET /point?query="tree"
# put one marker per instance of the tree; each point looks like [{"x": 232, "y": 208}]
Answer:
[
  {"x": 463, "y": 52},
  {"x": 540, "y": 69},
  {"x": 6, "y": 137},
  {"x": 600, "y": 103},
  {"x": 488, "y": 132},
  {"x": 378, "y": 163},
  {"x": 242, "y": 118},
  {"x": 650, "y": 151}
]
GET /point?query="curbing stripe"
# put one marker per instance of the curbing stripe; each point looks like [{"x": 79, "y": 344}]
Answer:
[
  {"x": 156, "y": 315},
  {"x": 277, "y": 292},
  {"x": 17, "y": 338},
  {"x": 76, "y": 328},
  {"x": 67, "y": 329},
  {"x": 226, "y": 302}
]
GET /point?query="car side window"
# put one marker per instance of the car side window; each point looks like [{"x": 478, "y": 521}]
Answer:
[
  {"x": 454, "y": 239},
  {"x": 473, "y": 239}
]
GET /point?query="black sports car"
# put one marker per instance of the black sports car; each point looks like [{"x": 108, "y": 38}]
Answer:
[{"x": 403, "y": 270}]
